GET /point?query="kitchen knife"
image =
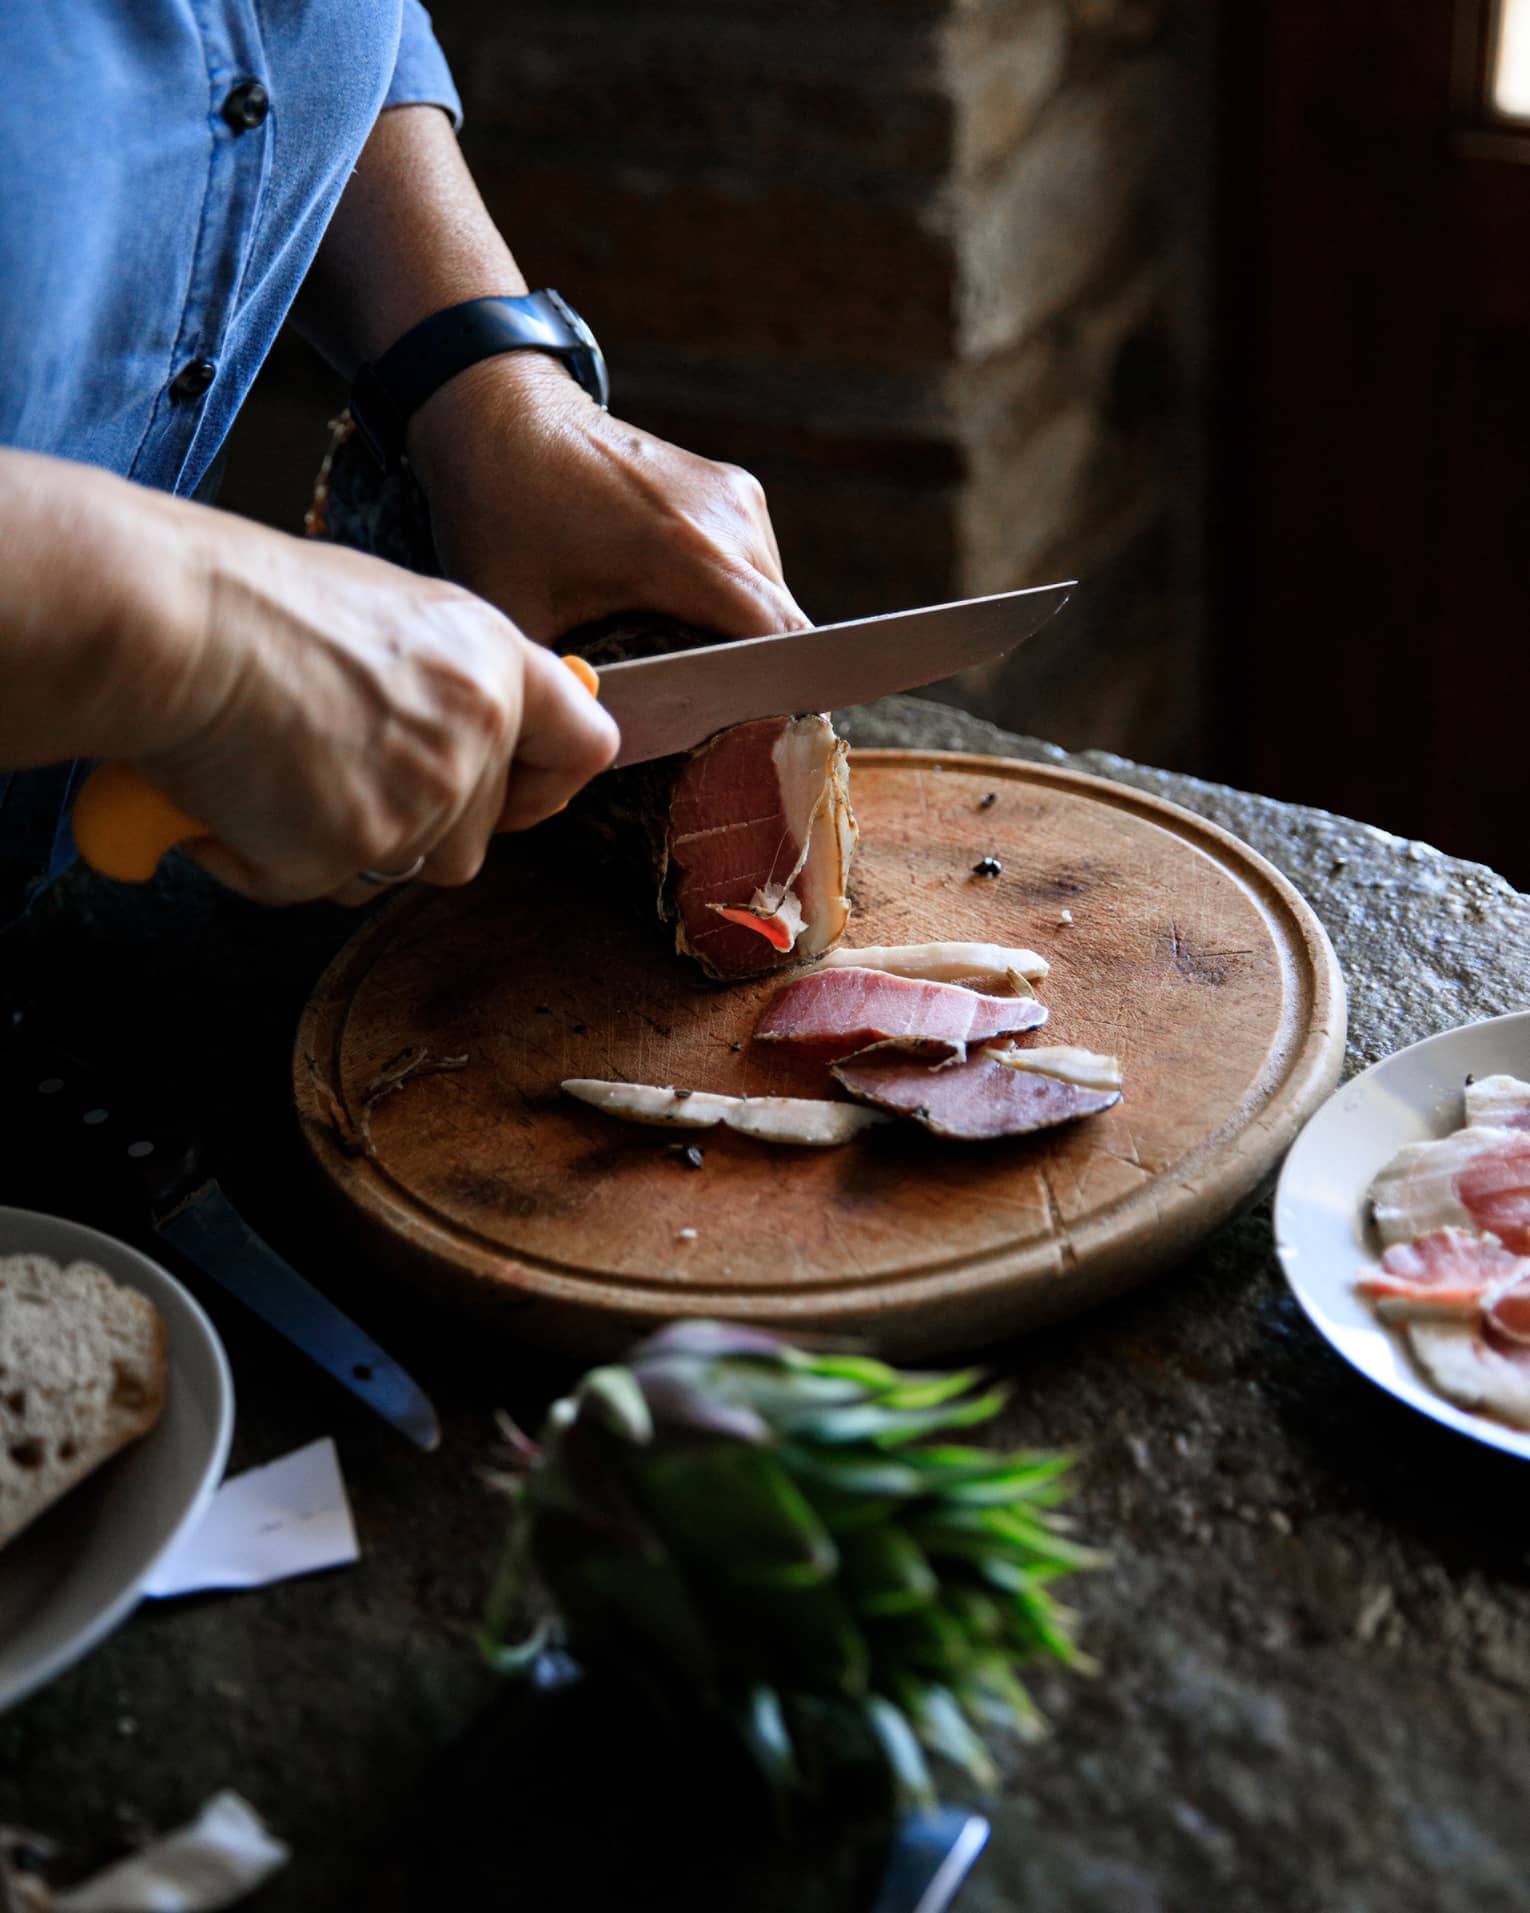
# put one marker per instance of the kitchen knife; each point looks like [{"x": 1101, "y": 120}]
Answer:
[
  {"x": 672, "y": 703},
  {"x": 138, "y": 1168},
  {"x": 123, "y": 825},
  {"x": 932, "y": 1854}
]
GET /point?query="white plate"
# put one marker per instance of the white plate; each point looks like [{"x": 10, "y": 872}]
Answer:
[
  {"x": 66, "y": 1581},
  {"x": 1322, "y": 1231}
]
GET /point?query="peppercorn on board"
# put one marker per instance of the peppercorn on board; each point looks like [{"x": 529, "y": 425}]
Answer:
[{"x": 428, "y": 1064}]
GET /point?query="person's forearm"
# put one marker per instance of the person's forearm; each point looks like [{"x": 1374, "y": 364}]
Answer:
[
  {"x": 84, "y": 666},
  {"x": 410, "y": 236},
  {"x": 545, "y": 504}
]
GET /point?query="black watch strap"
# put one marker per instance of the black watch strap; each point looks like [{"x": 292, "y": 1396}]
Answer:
[{"x": 388, "y": 392}]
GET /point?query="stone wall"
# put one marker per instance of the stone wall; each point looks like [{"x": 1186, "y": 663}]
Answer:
[{"x": 934, "y": 269}]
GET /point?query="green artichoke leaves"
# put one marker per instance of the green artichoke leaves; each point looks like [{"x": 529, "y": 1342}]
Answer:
[{"x": 774, "y": 1531}]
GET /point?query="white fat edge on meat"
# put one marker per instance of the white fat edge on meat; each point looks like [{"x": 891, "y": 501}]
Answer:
[
  {"x": 1082, "y": 1068},
  {"x": 1470, "y": 1371},
  {"x": 790, "y": 1119},
  {"x": 1415, "y": 1194},
  {"x": 1497, "y": 1101},
  {"x": 828, "y": 846},
  {"x": 801, "y": 755},
  {"x": 810, "y": 775},
  {"x": 944, "y": 962}
]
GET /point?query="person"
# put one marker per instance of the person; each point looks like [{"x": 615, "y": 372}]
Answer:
[{"x": 181, "y": 175}]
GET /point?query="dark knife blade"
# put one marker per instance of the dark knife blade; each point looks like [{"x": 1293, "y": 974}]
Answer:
[
  {"x": 932, "y": 1854},
  {"x": 129, "y": 1165},
  {"x": 210, "y": 1232}
]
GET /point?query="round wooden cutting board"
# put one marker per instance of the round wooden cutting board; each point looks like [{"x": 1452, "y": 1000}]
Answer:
[{"x": 1186, "y": 954}]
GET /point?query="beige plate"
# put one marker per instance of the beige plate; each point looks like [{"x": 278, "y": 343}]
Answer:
[
  {"x": 1187, "y": 954},
  {"x": 70, "y": 1578}
]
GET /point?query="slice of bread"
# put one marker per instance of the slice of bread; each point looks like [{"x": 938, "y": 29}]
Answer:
[{"x": 83, "y": 1372}]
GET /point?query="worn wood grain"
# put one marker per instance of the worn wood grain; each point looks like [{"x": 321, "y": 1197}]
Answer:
[{"x": 1187, "y": 954}]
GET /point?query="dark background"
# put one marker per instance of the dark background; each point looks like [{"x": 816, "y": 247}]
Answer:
[{"x": 1221, "y": 308}]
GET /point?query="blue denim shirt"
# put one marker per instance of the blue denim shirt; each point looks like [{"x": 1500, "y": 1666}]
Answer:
[{"x": 153, "y": 224}]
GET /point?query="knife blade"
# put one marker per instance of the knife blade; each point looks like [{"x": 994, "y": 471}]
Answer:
[
  {"x": 672, "y": 703},
  {"x": 932, "y": 1854},
  {"x": 138, "y": 1167}
]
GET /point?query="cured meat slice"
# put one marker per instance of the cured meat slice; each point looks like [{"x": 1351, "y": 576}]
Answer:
[
  {"x": 1449, "y": 1274},
  {"x": 988, "y": 1095},
  {"x": 1477, "y": 1180},
  {"x": 844, "y": 1010},
  {"x": 758, "y": 845},
  {"x": 945, "y": 962},
  {"x": 789, "y": 1119},
  {"x": 1469, "y": 1368},
  {"x": 1494, "y": 1185},
  {"x": 1498, "y": 1102}
]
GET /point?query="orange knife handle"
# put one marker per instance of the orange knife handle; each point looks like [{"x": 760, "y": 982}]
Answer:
[
  {"x": 123, "y": 825},
  {"x": 585, "y": 672}
]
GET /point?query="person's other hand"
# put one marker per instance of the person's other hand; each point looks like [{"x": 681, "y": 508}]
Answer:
[
  {"x": 561, "y": 514},
  {"x": 334, "y": 714}
]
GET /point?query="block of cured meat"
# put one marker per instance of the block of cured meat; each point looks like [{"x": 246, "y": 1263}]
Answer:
[
  {"x": 995, "y": 1092},
  {"x": 1477, "y": 1180},
  {"x": 844, "y": 1010},
  {"x": 748, "y": 838}
]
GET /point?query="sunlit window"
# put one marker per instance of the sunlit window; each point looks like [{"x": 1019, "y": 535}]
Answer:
[{"x": 1511, "y": 60}]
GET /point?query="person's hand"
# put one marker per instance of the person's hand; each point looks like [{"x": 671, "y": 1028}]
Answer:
[
  {"x": 561, "y": 514},
  {"x": 321, "y": 712},
  {"x": 335, "y": 714}
]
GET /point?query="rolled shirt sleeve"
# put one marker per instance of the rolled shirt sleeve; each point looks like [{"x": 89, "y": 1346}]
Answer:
[{"x": 421, "y": 76}]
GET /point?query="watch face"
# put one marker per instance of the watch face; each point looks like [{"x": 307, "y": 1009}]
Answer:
[
  {"x": 576, "y": 325},
  {"x": 588, "y": 364}
]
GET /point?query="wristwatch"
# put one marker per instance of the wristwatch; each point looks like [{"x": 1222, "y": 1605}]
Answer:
[{"x": 388, "y": 392}]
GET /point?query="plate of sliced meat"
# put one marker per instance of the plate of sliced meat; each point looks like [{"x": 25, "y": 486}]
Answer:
[
  {"x": 1402, "y": 1222},
  {"x": 1040, "y": 1037}
]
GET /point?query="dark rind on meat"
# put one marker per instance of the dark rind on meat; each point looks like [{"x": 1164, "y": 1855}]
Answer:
[{"x": 628, "y": 809}]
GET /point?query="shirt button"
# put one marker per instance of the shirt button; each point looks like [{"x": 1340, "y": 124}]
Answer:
[
  {"x": 193, "y": 379},
  {"x": 247, "y": 106}
]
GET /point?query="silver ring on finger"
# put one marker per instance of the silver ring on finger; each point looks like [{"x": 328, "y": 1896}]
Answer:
[{"x": 385, "y": 879}]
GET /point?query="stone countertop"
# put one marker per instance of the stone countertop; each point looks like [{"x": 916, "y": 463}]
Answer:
[{"x": 1314, "y": 1637}]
